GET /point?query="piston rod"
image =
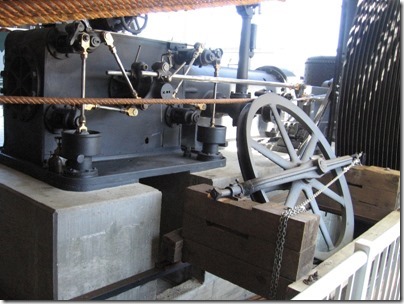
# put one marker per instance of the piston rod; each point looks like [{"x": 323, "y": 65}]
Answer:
[{"x": 212, "y": 79}]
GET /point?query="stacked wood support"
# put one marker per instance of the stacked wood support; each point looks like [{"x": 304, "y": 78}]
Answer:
[
  {"x": 375, "y": 192},
  {"x": 235, "y": 239}
]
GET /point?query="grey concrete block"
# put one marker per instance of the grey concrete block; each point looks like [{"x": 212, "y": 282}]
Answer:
[{"x": 58, "y": 244}]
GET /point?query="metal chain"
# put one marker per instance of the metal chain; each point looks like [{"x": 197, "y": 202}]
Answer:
[{"x": 283, "y": 223}]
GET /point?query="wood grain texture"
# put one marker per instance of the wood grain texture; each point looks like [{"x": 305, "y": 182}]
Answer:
[
  {"x": 236, "y": 240},
  {"x": 232, "y": 269},
  {"x": 375, "y": 192},
  {"x": 252, "y": 219},
  {"x": 249, "y": 249}
]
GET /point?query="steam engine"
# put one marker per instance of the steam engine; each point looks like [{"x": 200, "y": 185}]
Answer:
[{"x": 123, "y": 142}]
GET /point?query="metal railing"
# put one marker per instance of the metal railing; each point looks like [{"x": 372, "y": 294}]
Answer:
[{"x": 372, "y": 272}]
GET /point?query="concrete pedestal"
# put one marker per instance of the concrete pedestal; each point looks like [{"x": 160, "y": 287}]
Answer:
[{"x": 56, "y": 244}]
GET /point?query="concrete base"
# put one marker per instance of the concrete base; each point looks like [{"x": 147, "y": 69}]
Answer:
[
  {"x": 212, "y": 289},
  {"x": 57, "y": 244}
]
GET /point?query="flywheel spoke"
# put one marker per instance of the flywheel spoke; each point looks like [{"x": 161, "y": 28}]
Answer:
[
  {"x": 135, "y": 24},
  {"x": 270, "y": 155},
  {"x": 310, "y": 148},
  {"x": 285, "y": 135},
  {"x": 293, "y": 195},
  {"x": 316, "y": 210},
  {"x": 328, "y": 192}
]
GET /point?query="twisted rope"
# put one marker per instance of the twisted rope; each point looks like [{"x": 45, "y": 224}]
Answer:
[
  {"x": 111, "y": 101},
  {"x": 21, "y": 12}
]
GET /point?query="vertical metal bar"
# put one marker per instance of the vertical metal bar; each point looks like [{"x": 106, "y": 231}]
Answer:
[
  {"x": 85, "y": 44},
  {"x": 397, "y": 273},
  {"x": 390, "y": 269},
  {"x": 83, "y": 89},
  {"x": 397, "y": 293},
  {"x": 338, "y": 292},
  {"x": 394, "y": 283},
  {"x": 361, "y": 283},
  {"x": 373, "y": 278},
  {"x": 216, "y": 74},
  {"x": 83, "y": 75},
  {"x": 381, "y": 273},
  {"x": 349, "y": 287},
  {"x": 246, "y": 13}
]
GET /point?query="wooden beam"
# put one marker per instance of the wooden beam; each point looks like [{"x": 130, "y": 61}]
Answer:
[
  {"x": 375, "y": 192},
  {"x": 236, "y": 240},
  {"x": 247, "y": 248},
  {"x": 251, "y": 218}
]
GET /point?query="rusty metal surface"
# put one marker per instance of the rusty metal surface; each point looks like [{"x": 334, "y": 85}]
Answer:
[{"x": 22, "y": 12}]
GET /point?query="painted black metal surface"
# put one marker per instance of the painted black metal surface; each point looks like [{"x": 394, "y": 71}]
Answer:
[
  {"x": 41, "y": 62},
  {"x": 128, "y": 148},
  {"x": 116, "y": 172}
]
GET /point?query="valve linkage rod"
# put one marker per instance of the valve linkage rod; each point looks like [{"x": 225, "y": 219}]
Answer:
[
  {"x": 109, "y": 41},
  {"x": 212, "y": 79},
  {"x": 85, "y": 45},
  {"x": 197, "y": 52}
]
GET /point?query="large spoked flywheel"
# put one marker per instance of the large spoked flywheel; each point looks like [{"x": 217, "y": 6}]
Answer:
[{"x": 255, "y": 153}]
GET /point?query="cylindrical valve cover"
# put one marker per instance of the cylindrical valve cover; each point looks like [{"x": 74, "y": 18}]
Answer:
[{"x": 74, "y": 144}]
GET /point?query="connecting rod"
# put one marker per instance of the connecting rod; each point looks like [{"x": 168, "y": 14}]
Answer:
[{"x": 311, "y": 169}]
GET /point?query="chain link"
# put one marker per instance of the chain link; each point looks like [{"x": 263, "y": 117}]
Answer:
[{"x": 283, "y": 224}]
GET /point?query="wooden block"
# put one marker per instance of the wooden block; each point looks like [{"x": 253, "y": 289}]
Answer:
[
  {"x": 375, "y": 192},
  {"x": 172, "y": 246},
  {"x": 232, "y": 269},
  {"x": 252, "y": 219},
  {"x": 375, "y": 186},
  {"x": 302, "y": 228},
  {"x": 247, "y": 248}
]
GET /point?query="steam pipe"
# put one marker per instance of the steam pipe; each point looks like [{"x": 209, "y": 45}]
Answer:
[{"x": 246, "y": 13}]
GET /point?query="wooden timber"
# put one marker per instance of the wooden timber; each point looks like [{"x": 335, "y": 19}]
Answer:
[
  {"x": 375, "y": 192},
  {"x": 235, "y": 239}
]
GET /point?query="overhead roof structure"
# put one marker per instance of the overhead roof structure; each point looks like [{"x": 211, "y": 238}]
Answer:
[{"x": 23, "y": 12}]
